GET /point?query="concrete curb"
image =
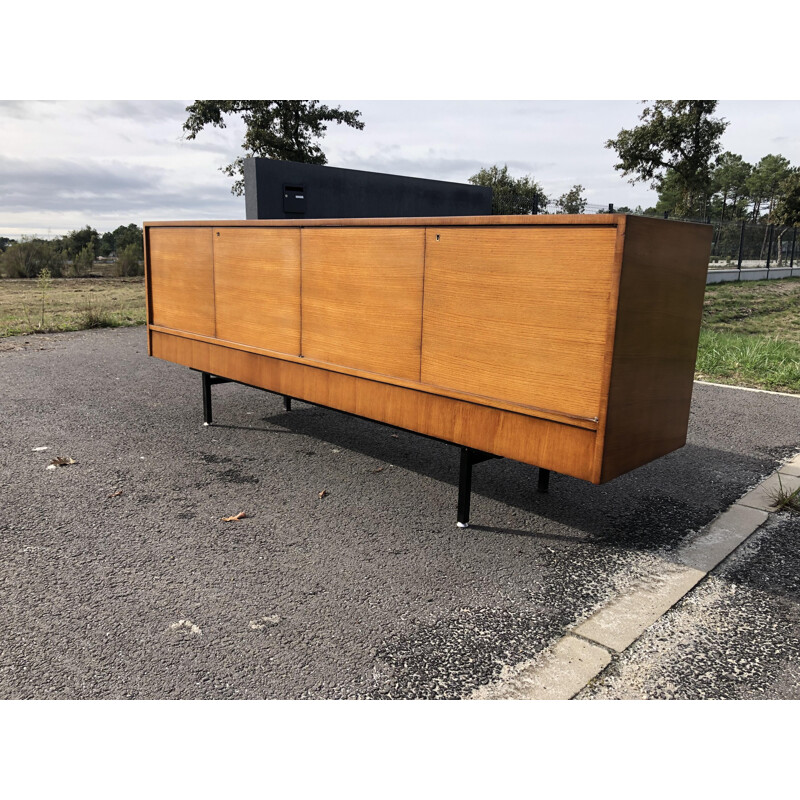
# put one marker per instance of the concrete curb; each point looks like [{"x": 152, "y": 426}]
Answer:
[
  {"x": 558, "y": 674},
  {"x": 587, "y": 649}
]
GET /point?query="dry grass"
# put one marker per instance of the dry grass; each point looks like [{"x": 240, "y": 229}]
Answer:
[
  {"x": 760, "y": 308},
  {"x": 70, "y": 304}
]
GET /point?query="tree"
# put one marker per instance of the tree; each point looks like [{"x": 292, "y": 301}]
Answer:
[
  {"x": 284, "y": 129},
  {"x": 29, "y": 256},
  {"x": 787, "y": 211},
  {"x": 5, "y": 243},
  {"x": 571, "y": 202},
  {"x": 129, "y": 235},
  {"x": 83, "y": 262},
  {"x": 105, "y": 245},
  {"x": 675, "y": 135},
  {"x": 128, "y": 260},
  {"x": 765, "y": 183},
  {"x": 510, "y": 195},
  {"x": 729, "y": 183},
  {"x": 77, "y": 241},
  {"x": 672, "y": 199}
]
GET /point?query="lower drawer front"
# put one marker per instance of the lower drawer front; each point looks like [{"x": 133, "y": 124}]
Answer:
[{"x": 551, "y": 445}]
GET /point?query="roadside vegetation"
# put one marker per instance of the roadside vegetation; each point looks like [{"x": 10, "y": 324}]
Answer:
[
  {"x": 48, "y": 305},
  {"x": 72, "y": 282},
  {"x": 751, "y": 335}
]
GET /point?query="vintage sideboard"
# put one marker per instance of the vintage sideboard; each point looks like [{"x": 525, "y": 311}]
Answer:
[{"x": 566, "y": 342}]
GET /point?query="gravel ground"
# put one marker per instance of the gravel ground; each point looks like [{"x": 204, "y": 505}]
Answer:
[
  {"x": 119, "y": 579},
  {"x": 736, "y": 636}
]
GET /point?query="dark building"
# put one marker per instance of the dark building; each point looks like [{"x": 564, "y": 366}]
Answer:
[{"x": 290, "y": 190}]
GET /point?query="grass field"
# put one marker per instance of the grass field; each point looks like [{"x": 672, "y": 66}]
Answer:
[
  {"x": 70, "y": 304},
  {"x": 750, "y": 334}
]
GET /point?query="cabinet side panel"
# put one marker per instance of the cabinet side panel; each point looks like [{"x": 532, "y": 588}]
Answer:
[
  {"x": 660, "y": 307},
  {"x": 180, "y": 279},
  {"x": 257, "y": 287},
  {"x": 362, "y": 298}
]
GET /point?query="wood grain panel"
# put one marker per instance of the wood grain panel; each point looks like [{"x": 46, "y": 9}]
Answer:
[
  {"x": 519, "y": 314},
  {"x": 569, "y": 419},
  {"x": 660, "y": 307},
  {"x": 552, "y": 445},
  {"x": 362, "y": 298},
  {"x": 180, "y": 279},
  {"x": 257, "y": 287}
]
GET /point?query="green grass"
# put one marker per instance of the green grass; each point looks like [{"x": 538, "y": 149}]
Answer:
[
  {"x": 785, "y": 499},
  {"x": 751, "y": 335},
  {"x": 764, "y": 308},
  {"x": 749, "y": 360},
  {"x": 70, "y": 304}
]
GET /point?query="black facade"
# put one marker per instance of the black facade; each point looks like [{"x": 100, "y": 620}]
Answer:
[{"x": 289, "y": 190}]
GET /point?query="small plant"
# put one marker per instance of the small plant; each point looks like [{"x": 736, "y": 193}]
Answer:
[
  {"x": 96, "y": 317},
  {"x": 784, "y": 500},
  {"x": 44, "y": 283}
]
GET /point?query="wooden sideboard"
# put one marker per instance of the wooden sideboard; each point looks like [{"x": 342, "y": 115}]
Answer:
[{"x": 567, "y": 342}]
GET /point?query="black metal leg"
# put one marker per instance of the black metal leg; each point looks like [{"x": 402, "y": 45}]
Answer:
[
  {"x": 464, "y": 488},
  {"x": 469, "y": 457},
  {"x": 206, "y": 397},
  {"x": 544, "y": 480},
  {"x": 287, "y": 403}
]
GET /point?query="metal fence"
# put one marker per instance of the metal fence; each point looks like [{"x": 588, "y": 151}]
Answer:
[{"x": 742, "y": 244}]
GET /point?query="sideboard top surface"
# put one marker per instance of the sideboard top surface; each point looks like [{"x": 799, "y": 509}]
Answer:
[{"x": 582, "y": 220}]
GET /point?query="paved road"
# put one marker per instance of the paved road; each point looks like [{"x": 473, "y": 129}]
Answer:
[{"x": 118, "y": 578}]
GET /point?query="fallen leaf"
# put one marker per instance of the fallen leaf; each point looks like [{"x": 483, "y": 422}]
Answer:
[
  {"x": 323, "y": 493},
  {"x": 235, "y": 518},
  {"x": 380, "y": 469},
  {"x": 260, "y": 624},
  {"x": 62, "y": 461},
  {"x": 395, "y": 436},
  {"x": 116, "y": 494},
  {"x": 39, "y": 449}
]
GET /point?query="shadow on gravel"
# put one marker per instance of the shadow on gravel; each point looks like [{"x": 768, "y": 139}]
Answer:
[{"x": 652, "y": 508}]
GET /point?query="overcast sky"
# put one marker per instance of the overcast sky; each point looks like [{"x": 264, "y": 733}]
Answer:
[{"x": 67, "y": 164}]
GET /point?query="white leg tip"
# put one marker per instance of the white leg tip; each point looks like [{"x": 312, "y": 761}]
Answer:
[
  {"x": 205, "y": 424},
  {"x": 462, "y": 524}
]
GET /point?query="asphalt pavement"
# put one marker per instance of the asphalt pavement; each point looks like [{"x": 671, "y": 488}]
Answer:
[{"x": 120, "y": 579}]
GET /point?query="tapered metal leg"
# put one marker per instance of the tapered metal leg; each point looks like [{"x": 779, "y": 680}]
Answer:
[
  {"x": 287, "y": 403},
  {"x": 544, "y": 480},
  {"x": 464, "y": 488},
  {"x": 469, "y": 457},
  {"x": 206, "y": 397}
]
